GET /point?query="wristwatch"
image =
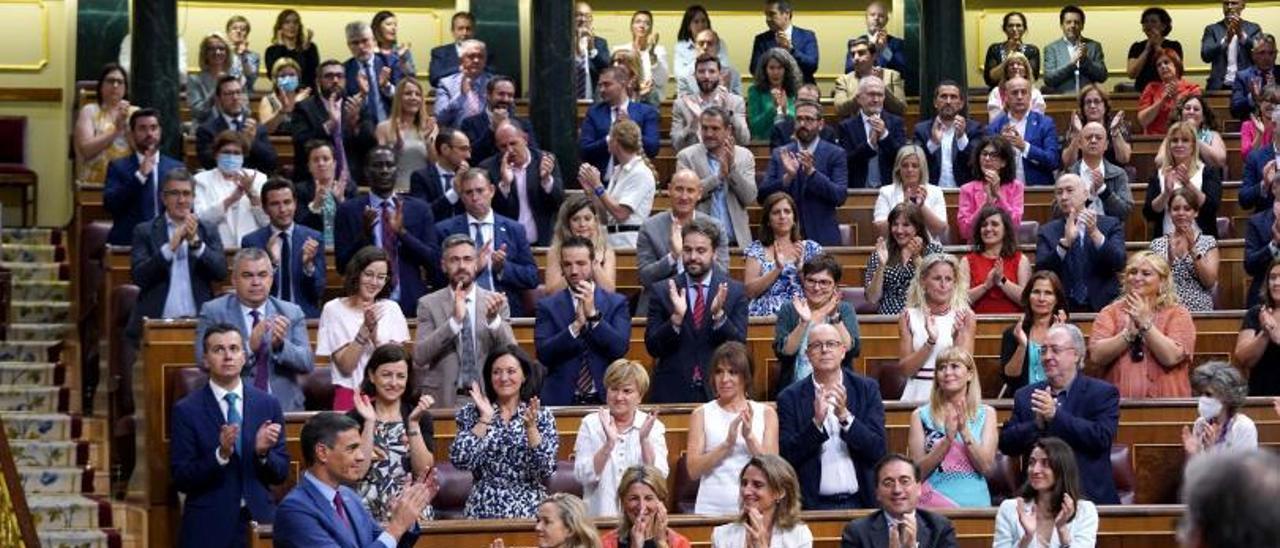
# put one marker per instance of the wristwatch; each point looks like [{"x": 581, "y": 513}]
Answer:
[{"x": 595, "y": 317}]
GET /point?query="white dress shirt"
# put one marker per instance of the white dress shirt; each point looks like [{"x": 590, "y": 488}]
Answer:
[
  {"x": 838, "y": 475},
  {"x": 220, "y": 395},
  {"x": 600, "y": 490}
]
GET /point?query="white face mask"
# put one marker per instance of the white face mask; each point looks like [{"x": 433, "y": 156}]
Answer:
[{"x": 1209, "y": 407}]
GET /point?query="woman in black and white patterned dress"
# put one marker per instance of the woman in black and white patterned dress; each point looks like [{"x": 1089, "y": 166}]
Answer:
[
  {"x": 893, "y": 264},
  {"x": 1192, "y": 254}
]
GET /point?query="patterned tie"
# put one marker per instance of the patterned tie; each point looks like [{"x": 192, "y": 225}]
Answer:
[
  {"x": 389, "y": 243},
  {"x": 471, "y": 106},
  {"x": 153, "y": 190},
  {"x": 285, "y": 289},
  {"x": 261, "y": 369},
  {"x": 339, "y": 154},
  {"x": 341, "y": 510},
  {"x": 699, "y": 307},
  {"x": 580, "y": 78},
  {"x": 375, "y": 92},
  {"x": 469, "y": 371},
  {"x": 233, "y": 415},
  {"x": 1077, "y": 267}
]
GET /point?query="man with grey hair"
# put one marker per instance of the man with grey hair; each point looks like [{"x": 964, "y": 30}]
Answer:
[
  {"x": 871, "y": 137},
  {"x": 277, "y": 348},
  {"x": 461, "y": 95},
  {"x": 1081, "y": 410},
  {"x": 1085, "y": 249},
  {"x": 1227, "y": 495},
  {"x": 367, "y": 75}
]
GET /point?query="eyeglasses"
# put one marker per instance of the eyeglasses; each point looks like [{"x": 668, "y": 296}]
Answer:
[
  {"x": 820, "y": 283},
  {"x": 113, "y": 81},
  {"x": 830, "y": 346},
  {"x": 990, "y": 154},
  {"x": 179, "y": 193}
]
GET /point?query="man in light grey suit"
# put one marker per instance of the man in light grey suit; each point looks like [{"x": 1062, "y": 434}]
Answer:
[
  {"x": 687, "y": 110},
  {"x": 1227, "y": 46},
  {"x": 275, "y": 331},
  {"x": 1073, "y": 61},
  {"x": 728, "y": 174},
  {"x": 659, "y": 243},
  {"x": 451, "y": 346}
]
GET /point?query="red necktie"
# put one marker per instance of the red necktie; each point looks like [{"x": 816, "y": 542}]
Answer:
[
  {"x": 342, "y": 512},
  {"x": 699, "y": 307}
]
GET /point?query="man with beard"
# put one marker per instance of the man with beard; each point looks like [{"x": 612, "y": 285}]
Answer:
[
  {"x": 899, "y": 523},
  {"x": 1031, "y": 133},
  {"x": 329, "y": 116},
  {"x": 814, "y": 172},
  {"x": 579, "y": 331},
  {"x": 434, "y": 184},
  {"x": 501, "y": 107},
  {"x": 451, "y": 345},
  {"x": 871, "y": 137},
  {"x": 659, "y": 246},
  {"x": 862, "y": 56},
  {"x": 784, "y": 127},
  {"x": 461, "y": 94},
  {"x": 401, "y": 225},
  {"x": 691, "y": 315},
  {"x": 727, "y": 172},
  {"x": 132, "y": 191},
  {"x": 687, "y": 110},
  {"x": 800, "y": 43},
  {"x": 947, "y": 137},
  {"x": 296, "y": 251},
  {"x": 530, "y": 188}
]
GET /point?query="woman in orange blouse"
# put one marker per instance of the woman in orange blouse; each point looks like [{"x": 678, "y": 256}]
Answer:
[
  {"x": 1143, "y": 342},
  {"x": 1160, "y": 97}
]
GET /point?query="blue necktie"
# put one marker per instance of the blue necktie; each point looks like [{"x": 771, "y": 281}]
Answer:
[
  {"x": 233, "y": 416},
  {"x": 1077, "y": 267}
]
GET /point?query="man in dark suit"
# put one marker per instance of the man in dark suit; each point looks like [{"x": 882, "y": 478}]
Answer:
[
  {"x": 175, "y": 258},
  {"x": 850, "y": 410},
  {"x": 947, "y": 137},
  {"x": 461, "y": 95},
  {"x": 322, "y": 511},
  {"x": 401, "y": 225},
  {"x": 530, "y": 188},
  {"x": 275, "y": 330},
  {"x": 1227, "y": 40},
  {"x": 891, "y": 50},
  {"x": 580, "y": 330},
  {"x": 434, "y": 183},
  {"x": 1262, "y": 244},
  {"x": 227, "y": 449},
  {"x": 330, "y": 116},
  {"x": 444, "y": 58},
  {"x": 614, "y": 104},
  {"x": 296, "y": 251},
  {"x": 591, "y": 53},
  {"x": 1081, "y": 410},
  {"x": 1260, "y": 172},
  {"x": 800, "y": 43},
  {"x": 690, "y": 316},
  {"x": 231, "y": 114},
  {"x": 501, "y": 92},
  {"x": 131, "y": 193},
  {"x": 813, "y": 172},
  {"x": 1085, "y": 249},
  {"x": 1258, "y": 81},
  {"x": 898, "y": 522},
  {"x": 506, "y": 261},
  {"x": 784, "y": 127},
  {"x": 368, "y": 75},
  {"x": 872, "y": 137},
  {"x": 1031, "y": 133}
]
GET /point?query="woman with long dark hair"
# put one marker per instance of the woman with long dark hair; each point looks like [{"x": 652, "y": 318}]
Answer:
[{"x": 1049, "y": 511}]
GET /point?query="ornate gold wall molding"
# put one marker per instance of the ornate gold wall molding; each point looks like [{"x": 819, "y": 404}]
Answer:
[{"x": 12, "y": 9}]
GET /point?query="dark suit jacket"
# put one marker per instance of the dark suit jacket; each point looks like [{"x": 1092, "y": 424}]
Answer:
[
  {"x": 1257, "y": 251},
  {"x": 595, "y": 347},
  {"x": 1044, "y": 157},
  {"x": 959, "y": 156},
  {"x": 1207, "y": 219},
  {"x": 1104, "y": 262},
  {"x": 419, "y": 250},
  {"x": 308, "y": 291},
  {"x": 1242, "y": 104},
  {"x": 308, "y": 123},
  {"x": 677, "y": 354},
  {"x": 893, "y": 56},
  {"x": 595, "y": 127},
  {"x": 545, "y": 205},
  {"x": 783, "y": 132},
  {"x": 518, "y": 274},
  {"x": 352, "y": 67},
  {"x": 130, "y": 202},
  {"x": 424, "y": 184},
  {"x": 1214, "y": 51},
  {"x": 444, "y": 62},
  {"x": 480, "y": 133},
  {"x": 306, "y": 519},
  {"x": 261, "y": 155},
  {"x": 1252, "y": 194},
  {"x": 804, "y": 47},
  {"x": 817, "y": 196},
  {"x": 932, "y": 531},
  {"x": 854, "y": 139},
  {"x": 150, "y": 270},
  {"x": 214, "y": 491},
  {"x": 1086, "y": 420},
  {"x": 800, "y": 441}
]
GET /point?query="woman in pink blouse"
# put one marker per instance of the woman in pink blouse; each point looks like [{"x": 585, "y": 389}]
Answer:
[{"x": 993, "y": 162}]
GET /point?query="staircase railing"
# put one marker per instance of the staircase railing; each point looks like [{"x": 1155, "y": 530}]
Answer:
[{"x": 17, "y": 529}]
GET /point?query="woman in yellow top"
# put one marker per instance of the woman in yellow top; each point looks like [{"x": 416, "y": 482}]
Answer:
[{"x": 102, "y": 128}]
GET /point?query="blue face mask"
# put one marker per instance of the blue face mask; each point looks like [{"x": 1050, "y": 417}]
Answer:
[
  {"x": 287, "y": 83},
  {"x": 230, "y": 162}
]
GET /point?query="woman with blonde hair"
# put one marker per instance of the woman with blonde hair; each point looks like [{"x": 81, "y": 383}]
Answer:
[
  {"x": 936, "y": 318},
  {"x": 617, "y": 437},
  {"x": 410, "y": 130},
  {"x": 202, "y": 87},
  {"x": 628, "y": 196},
  {"x": 102, "y": 127},
  {"x": 578, "y": 216},
  {"x": 651, "y": 72},
  {"x": 1143, "y": 342},
  {"x": 1014, "y": 64},
  {"x": 1183, "y": 169},
  {"x": 562, "y": 522},
  {"x": 642, "y": 495},
  {"x": 911, "y": 184},
  {"x": 953, "y": 437},
  {"x": 292, "y": 40},
  {"x": 287, "y": 90},
  {"x": 770, "y": 517}
]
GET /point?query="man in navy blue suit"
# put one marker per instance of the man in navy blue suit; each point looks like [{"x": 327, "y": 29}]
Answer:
[
  {"x": 1031, "y": 133},
  {"x": 1260, "y": 167},
  {"x": 434, "y": 183},
  {"x": 892, "y": 51},
  {"x": 872, "y": 137},
  {"x": 401, "y": 225},
  {"x": 501, "y": 101},
  {"x": 131, "y": 194},
  {"x": 947, "y": 137},
  {"x": 832, "y": 403},
  {"x": 1262, "y": 244},
  {"x": 800, "y": 43},
  {"x": 444, "y": 58},
  {"x": 591, "y": 53},
  {"x": 296, "y": 251},
  {"x": 232, "y": 113},
  {"x": 331, "y": 115},
  {"x": 580, "y": 330},
  {"x": 1251, "y": 84},
  {"x": 227, "y": 449},
  {"x": 813, "y": 172},
  {"x": 690, "y": 315},
  {"x": 506, "y": 262},
  {"x": 321, "y": 511},
  {"x": 1081, "y": 410},
  {"x": 369, "y": 75},
  {"x": 615, "y": 104},
  {"x": 530, "y": 187},
  {"x": 1085, "y": 249}
]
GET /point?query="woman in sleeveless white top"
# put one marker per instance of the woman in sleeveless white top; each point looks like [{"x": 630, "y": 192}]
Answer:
[
  {"x": 718, "y": 489},
  {"x": 938, "y": 292},
  {"x": 920, "y": 384}
]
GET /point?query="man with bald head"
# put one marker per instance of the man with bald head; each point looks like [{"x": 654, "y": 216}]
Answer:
[
  {"x": 831, "y": 426},
  {"x": 1031, "y": 133},
  {"x": 1108, "y": 184},
  {"x": 1085, "y": 249},
  {"x": 529, "y": 186},
  {"x": 659, "y": 244},
  {"x": 871, "y": 137},
  {"x": 500, "y": 107}
]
